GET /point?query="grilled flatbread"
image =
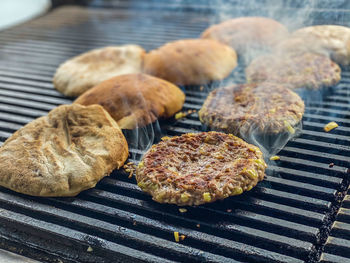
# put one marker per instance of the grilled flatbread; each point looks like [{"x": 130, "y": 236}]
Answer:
[
  {"x": 191, "y": 61},
  {"x": 135, "y": 100},
  {"x": 77, "y": 75},
  {"x": 63, "y": 153}
]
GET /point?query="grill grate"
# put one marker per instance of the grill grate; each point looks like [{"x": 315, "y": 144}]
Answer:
[
  {"x": 337, "y": 248},
  {"x": 283, "y": 219}
]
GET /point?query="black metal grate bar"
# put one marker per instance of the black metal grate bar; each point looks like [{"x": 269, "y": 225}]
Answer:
[{"x": 337, "y": 248}]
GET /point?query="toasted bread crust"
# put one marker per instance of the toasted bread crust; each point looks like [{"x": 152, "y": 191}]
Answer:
[
  {"x": 135, "y": 100},
  {"x": 191, "y": 61},
  {"x": 78, "y": 74},
  {"x": 246, "y": 108},
  {"x": 63, "y": 153},
  {"x": 193, "y": 169}
]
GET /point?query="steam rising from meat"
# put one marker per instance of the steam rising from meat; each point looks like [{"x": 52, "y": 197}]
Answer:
[
  {"x": 142, "y": 139},
  {"x": 271, "y": 144}
]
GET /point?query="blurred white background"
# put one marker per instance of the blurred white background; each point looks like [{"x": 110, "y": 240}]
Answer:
[{"x": 14, "y": 12}]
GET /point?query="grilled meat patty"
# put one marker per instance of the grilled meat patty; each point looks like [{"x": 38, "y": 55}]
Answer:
[
  {"x": 246, "y": 108},
  {"x": 308, "y": 70},
  {"x": 193, "y": 169}
]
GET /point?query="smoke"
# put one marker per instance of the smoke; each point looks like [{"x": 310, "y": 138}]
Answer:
[
  {"x": 141, "y": 139},
  {"x": 140, "y": 125},
  {"x": 271, "y": 144}
]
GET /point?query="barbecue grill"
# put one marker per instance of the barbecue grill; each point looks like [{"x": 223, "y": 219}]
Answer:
[{"x": 292, "y": 216}]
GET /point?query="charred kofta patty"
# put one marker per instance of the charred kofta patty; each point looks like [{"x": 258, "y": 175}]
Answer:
[
  {"x": 197, "y": 168},
  {"x": 308, "y": 70},
  {"x": 265, "y": 108}
]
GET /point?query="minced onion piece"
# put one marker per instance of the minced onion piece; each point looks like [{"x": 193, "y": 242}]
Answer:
[{"x": 330, "y": 126}]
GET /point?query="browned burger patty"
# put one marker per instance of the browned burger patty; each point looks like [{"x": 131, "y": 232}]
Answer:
[
  {"x": 264, "y": 108},
  {"x": 306, "y": 70},
  {"x": 193, "y": 169}
]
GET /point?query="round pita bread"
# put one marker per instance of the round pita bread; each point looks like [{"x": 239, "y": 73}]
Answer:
[
  {"x": 63, "y": 153},
  {"x": 135, "y": 100},
  {"x": 77, "y": 75},
  {"x": 191, "y": 61}
]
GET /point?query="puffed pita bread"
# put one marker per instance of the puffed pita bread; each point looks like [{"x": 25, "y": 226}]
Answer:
[
  {"x": 78, "y": 74},
  {"x": 135, "y": 100},
  {"x": 63, "y": 153},
  {"x": 331, "y": 40},
  {"x": 191, "y": 61}
]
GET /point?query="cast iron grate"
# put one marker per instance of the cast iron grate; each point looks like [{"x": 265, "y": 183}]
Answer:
[
  {"x": 282, "y": 220},
  {"x": 337, "y": 247}
]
